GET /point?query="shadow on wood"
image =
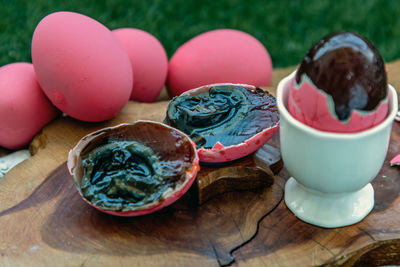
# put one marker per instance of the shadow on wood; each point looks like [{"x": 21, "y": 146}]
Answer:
[
  {"x": 252, "y": 172},
  {"x": 381, "y": 253},
  {"x": 213, "y": 230}
]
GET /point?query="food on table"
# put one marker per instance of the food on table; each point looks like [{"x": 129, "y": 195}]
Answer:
[
  {"x": 226, "y": 121},
  {"x": 341, "y": 85},
  {"x": 149, "y": 63},
  {"x": 133, "y": 169},
  {"x": 24, "y": 109},
  {"x": 219, "y": 56},
  {"x": 81, "y": 66}
]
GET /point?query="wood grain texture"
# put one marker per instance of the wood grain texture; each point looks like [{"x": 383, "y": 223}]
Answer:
[
  {"x": 254, "y": 171},
  {"x": 208, "y": 232},
  {"x": 283, "y": 240},
  {"x": 379, "y": 253},
  {"x": 44, "y": 222},
  {"x": 43, "y": 216}
]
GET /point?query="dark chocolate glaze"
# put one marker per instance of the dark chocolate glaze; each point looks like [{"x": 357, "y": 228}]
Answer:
[
  {"x": 348, "y": 67},
  {"x": 228, "y": 114},
  {"x": 126, "y": 175}
]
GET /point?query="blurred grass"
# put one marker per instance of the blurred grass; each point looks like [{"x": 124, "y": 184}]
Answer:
[{"x": 286, "y": 28}]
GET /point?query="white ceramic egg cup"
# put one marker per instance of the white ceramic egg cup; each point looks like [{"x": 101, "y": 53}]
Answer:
[{"x": 331, "y": 172}]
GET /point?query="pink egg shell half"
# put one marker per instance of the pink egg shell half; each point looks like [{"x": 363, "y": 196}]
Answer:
[
  {"x": 220, "y": 153},
  {"x": 309, "y": 105},
  {"x": 149, "y": 63},
  {"x": 24, "y": 109},
  {"x": 74, "y": 159},
  {"x": 81, "y": 66},
  {"x": 219, "y": 56}
]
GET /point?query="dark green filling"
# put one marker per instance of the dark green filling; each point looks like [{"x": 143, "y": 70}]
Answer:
[
  {"x": 228, "y": 114},
  {"x": 125, "y": 175}
]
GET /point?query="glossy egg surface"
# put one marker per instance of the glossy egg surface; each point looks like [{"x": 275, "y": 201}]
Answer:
[{"x": 340, "y": 85}]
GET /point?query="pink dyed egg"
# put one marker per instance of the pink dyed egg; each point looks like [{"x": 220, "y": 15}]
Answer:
[
  {"x": 219, "y": 56},
  {"x": 24, "y": 109},
  {"x": 82, "y": 67},
  {"x": 149, "y": 63},
  {"x": 341, "y": 85}
]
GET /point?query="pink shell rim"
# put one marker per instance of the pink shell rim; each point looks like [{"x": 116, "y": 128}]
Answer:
[
  {"x": 395, "y": 161},
  {"x": 208, "y": 155},
  {"x": 211, "y": 155},
  {"x": 281, "y": 103},
  {"x": 179, "y": 191},
  {"x": 323, "y": 103}
]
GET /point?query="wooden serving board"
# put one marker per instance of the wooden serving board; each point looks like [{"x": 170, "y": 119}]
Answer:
[{"x": 44, "y": 222}]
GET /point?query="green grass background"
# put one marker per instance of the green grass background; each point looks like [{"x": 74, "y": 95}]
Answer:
[{"x": 286, "y": 28}]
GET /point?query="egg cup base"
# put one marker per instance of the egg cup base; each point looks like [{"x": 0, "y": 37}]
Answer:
[{"x": 328, "y": 210}]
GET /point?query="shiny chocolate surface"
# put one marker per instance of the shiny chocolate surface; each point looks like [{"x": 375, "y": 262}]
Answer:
[{"x": 348, "y": 67}]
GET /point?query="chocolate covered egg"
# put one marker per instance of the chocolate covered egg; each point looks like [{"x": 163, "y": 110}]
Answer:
[
  {"x": 81, "y": 66},
  {"x": 219, "y": 56},
  {"x": 24, "y": 109},
  {"x": 341, "y": 85}
]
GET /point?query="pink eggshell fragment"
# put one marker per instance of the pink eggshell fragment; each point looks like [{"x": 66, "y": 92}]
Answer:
[
  {"x": 24, "y": 109},
  {"x": 219, "y": 153},
  {"x": 310, "y": 106},
  {"x": 395, "y": 161},
  {"x": 219, "y": 56},
  {"x": 149, "y": 63},
  {"x": 81, "y": 66}
]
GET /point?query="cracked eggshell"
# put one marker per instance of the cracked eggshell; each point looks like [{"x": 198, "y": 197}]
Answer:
[
  {"x": 220, "y": 153},
  {"x": 167, "y": 141},
  {"x": 24, "y": 109},
  {"x": 81, "y": 66},
  {"x": 149, "y": 63},
  {"x": 315, "y": 108},
  {"x": 219, "y": 56},
  {"x": 340, "y": 85}
]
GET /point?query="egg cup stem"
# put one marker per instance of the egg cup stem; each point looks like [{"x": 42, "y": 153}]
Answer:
[{"x": 328, "y": 210}]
